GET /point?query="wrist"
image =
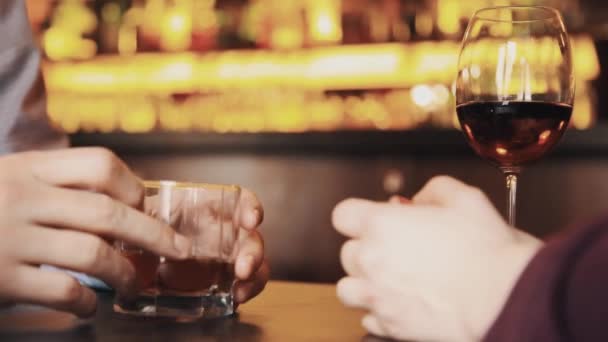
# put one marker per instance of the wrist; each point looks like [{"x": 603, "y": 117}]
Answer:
[{"x": 503, "y": 274}]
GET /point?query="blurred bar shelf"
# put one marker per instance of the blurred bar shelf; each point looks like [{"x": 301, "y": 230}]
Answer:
[
  {"x": 420, "y": 142},
  {"x": 389, "y": 86}
]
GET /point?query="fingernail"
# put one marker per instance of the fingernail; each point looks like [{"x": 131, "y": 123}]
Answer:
[
  {"x": 246, "y": 265},
  {"x": 400, "y": 199},
  {"x": 90, "y": 298},
  {"x": 239, "y": 295},
  {"x": 404, "y": 200},
  {"x": 254, "y": 218},
  {"x": 182, "y": 245},
  {"x": 366, "y": 322}
]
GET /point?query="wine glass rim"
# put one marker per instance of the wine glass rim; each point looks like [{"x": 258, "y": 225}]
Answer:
[{"x": 553, "y": 13}]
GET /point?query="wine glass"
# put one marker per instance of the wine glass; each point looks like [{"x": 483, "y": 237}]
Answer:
[{"x": 515, "y": 87}]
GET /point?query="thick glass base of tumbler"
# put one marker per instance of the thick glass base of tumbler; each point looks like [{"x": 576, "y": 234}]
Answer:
[
  {"x": 186, "y": 306},
  {"x": 178, "y": 305},
  {"x": 142, "y": 305}
]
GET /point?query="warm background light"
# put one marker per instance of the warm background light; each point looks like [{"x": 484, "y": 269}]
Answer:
[
  {"x": 308, "y": 65},
  {"x": 324, "y": 21}
]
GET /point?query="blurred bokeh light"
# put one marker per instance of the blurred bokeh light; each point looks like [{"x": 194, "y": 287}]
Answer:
[{"x": 265, "y": 65}]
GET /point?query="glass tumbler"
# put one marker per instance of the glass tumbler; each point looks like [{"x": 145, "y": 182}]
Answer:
[{"x": 200, "y": 286}]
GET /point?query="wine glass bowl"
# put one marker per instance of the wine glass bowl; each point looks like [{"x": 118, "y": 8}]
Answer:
[{"x": 515, "y": 87}]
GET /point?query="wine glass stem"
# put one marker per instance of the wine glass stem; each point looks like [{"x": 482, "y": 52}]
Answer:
[{"x": 511, "y": 178}]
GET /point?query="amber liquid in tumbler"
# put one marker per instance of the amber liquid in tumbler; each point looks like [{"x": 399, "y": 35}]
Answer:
[
  {"x": 188, "y": 289},
  {"x": 195, "y": 276},
  {"x": 195, "y": 288},
  {"x": 146, "y": 268},
  {"x": 513, "y": 133},
  {"x": 192, "y": 275}
]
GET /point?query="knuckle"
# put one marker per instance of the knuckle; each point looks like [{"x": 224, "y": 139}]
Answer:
[
  {"x": 109, "y": 212},
  {"x": 344, "y": 205},
  {"x": 106, "y": 165},
  {"x": 440, "y": 181},
  {"x": 103, "y": 154},
  {"x": 96, "y": 250},
  {"x": 138, "y": 195},
  {"x": 347, "y": 252},
  {"x": 69, "y": 291},
  {"x": 257, "y": 240},
  {"x": 475, "y": 194},
  {"x": 164, "y": 235},
  {"x": 254, "y": 201},
  {"x": 368, "y": 260},
  {"x": 342, "y": 288},
  {"x": 33, "y": 156}
]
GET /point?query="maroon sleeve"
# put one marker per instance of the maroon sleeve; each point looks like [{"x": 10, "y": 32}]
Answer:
[{"x": 563, "y": 293}]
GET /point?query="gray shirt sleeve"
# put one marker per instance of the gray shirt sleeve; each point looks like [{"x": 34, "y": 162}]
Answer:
[{"x": 24, "y": 124}]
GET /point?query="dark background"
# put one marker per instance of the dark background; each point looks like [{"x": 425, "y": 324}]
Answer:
[{"x": 300, "y": 177}]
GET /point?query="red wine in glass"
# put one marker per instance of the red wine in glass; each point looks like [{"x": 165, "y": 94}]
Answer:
[
  {"x": 513, "y": 133},
  {"x": 514, "y": 87}
]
